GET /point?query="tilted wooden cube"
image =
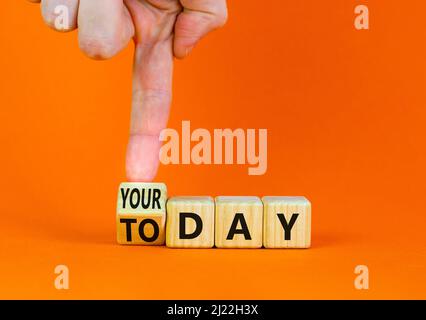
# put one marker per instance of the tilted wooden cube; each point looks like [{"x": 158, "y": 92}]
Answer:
[
  {"x": 238, "y": 222},
  {"x": 287, "y": 222},
  {"x": 141, "y": 213},
  {"x": 190, "y": 222}
]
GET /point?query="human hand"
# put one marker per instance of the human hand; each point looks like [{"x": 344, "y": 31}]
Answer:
[{"x": 161, "y": 30}]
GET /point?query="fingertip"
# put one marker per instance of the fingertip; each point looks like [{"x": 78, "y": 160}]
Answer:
[
  {"x": 179, "y": 55},
  {"x": 181, "y": 52},
  {"x": 105, "y": 28},
  {"x": 98, "y": 48}
]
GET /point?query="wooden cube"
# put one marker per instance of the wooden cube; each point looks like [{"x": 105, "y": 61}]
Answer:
[
  {"x": 238, "y": 222},
  {"x": 141, "y": 213},
  {"x": 287, "y": 222},
  {"x": 190, "y": 222}
]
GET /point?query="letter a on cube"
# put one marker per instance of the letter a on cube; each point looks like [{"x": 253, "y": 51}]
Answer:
[
  {"x": 190, "y": 222},
  {"x": 238, "y": 222},
  {"x": 141, "y": 213},
  {"x": 287, "y": 222}
]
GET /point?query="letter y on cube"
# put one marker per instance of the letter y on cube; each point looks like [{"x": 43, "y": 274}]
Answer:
[{"x": 287, "y": 222}]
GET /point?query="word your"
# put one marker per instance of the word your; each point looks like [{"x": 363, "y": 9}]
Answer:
[
  {"x": 143, "y": 198},
  {"x": 212, "y": 150}
]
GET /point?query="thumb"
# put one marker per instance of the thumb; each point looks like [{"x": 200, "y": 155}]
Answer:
[{"x": 197, "y": 19}]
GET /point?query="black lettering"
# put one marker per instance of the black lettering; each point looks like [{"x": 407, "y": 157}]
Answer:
[
  {"x": 239, "y": 217},
  {"x": 287, "y": 226},
  {"x": 142, "y": 230},
  {"x": 146, "y": 205},
  {"x": 182, "y": 224},
  {"x": 134, "y": 204},
  {"x": 124, "y": 195},
  {"x": 156, "y": 198},
  {"x": 128, "y": 223}
]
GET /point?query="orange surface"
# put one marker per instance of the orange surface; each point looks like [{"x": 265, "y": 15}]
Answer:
[{"x": 345, "y": 112}]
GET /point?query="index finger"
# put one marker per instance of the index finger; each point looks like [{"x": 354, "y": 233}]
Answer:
[{"x": 152, "y": 87}]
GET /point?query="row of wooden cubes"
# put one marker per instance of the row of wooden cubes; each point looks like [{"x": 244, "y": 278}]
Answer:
[{"x": 146, "y": 217}]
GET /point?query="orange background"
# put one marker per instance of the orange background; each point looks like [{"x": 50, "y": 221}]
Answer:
[{"x": 345, "y": 112}]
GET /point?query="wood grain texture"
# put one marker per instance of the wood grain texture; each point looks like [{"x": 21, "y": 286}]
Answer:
[
  {"x": 198, "y": 231},
  {"x": 141, "y": 213},
  {"x": 297, "y": 209},
  {"x": 238, "y": 211}
]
